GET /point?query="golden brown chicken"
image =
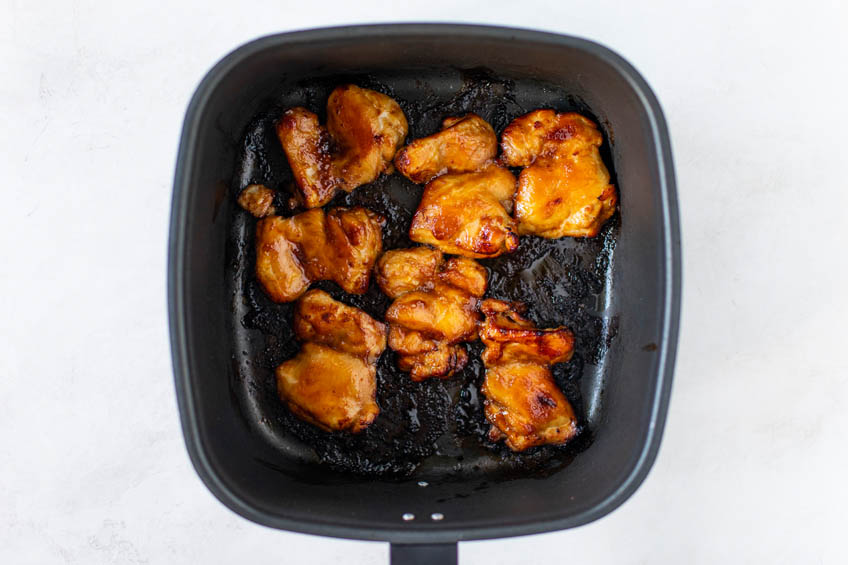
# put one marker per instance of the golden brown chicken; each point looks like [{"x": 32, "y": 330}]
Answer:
[
  {"x": 320, "y": 319},
  {"x": 257, "y": 199},
  {"x": 435, "y": 309},
  {"x": 468, "y": 213},
  {"x": 523, "y": 403},
  {"x": 307, "y": 146},
  {"x": 465, "y": 144},
  {"x": 364, "y": 130},
  {"x": 332, "y": 382},
  {"x": 403, "y": 270},
  {"x": 340, "y": 245},
  {"x": 564, "y": 189},
  {"x": 368, "y": 128}
]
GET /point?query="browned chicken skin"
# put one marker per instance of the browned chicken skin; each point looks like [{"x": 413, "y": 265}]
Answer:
[
  {"x": 340, "y": 245},
  {"x": 435, "y": 308},
  {"x": 468, "y": 213},
  {"x": 523, "y": 403},
  {"x": 364, "y": 130},
  {"x": 465, "y": 144},
  {"x": 332, "y": 382},
  {"x": 564, "y": 189}
]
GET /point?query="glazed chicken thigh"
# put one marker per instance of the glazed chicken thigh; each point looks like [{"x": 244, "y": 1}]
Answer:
[
  {"x": 564, "y": 189},
  {"x": 435, "y": 308},
  {"x": 307, "y": 146},
  {"x": 468, "y": 213},
  {"x": 332, "y": 382},
  {"x": 464, "y": 144},
  {"x": 364, "y": 130},
  {"x": 367, "y": 127},
  {"x": 340, "y": 245},
  {"x": 523, "y": 403}
]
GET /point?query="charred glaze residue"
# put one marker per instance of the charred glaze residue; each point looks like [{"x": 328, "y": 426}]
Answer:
[{"x": 434, "y": 429}]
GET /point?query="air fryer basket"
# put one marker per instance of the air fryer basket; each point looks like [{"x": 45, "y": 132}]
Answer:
[{"x": 619, "y": 292}]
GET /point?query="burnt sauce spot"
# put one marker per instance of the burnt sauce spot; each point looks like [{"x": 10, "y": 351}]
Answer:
[{"x": 434, "y": 429}]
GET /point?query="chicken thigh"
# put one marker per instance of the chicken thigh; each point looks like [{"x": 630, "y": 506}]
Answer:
[
  {"x": 307, "y": 146},
  {"x": 564, "y": 189},
  {"x": 465, "y": 144},
  {"x": 368, "y": 128},
  {"x": 340, "y": 245},
  {"x": 468, "y": 213}
]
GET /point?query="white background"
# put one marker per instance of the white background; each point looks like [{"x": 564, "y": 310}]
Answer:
[{"x": 92, "y": 463}]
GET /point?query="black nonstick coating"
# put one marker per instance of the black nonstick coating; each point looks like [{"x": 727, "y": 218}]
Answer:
[{"x": 433, "y": 430}]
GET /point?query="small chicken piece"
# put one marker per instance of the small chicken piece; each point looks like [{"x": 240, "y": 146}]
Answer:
[
  {"x": 511, "y": 338},
  {"x": 435, "y": 309},
  {"x": 364, "y": 130},
  {"x": 443, "y": 361},
  {"x": 465, "y": 144},
  {"x": 523, "y": 403},
  {"x": 340, "y": 245},
  {"x": 332, "y": 382},
  {"x": 564, "y": 189},
  {"x": 468, "y": 214},
  {"x": 465, "y": 274},
  {"x": 368, "y": 127},
  {"x": 307, "y": 146},
  {"x": 257, "y": 199}
]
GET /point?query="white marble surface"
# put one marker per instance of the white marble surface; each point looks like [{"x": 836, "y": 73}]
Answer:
[{"x": 92, "y": 464}]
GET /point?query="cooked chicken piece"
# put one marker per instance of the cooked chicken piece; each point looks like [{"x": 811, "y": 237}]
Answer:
[
  {"x": 257, "y": 199},
  {"x": 525, "y": 406},
  {"x": 364, "y": 130},
  {"x": 329, "y": 389},
  {"x": 542, "y": 132},
  {"x": 444, "y": 313},
  {"x": 564, "y": 189},
  {"x": 465, "y": 144},
  {"x": 442, "y": 361},
  {"x": 321, "y": 319},
  {"x": 468, "y": 214},
  {"x": 435, "y": 309},
  {"x": 332, "y": 382},
  {"x": 523, "y": 403},
  {"x": 424, "y": 357},
  {"x": 466, "y": 274},
  {"x": 368, "y": 128},
  {"x": 403, "y": 270},
  {"x": 307, "y": 147},
  {"x": 340, "y": 245},
  {"x": 511, "y": 338}
]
